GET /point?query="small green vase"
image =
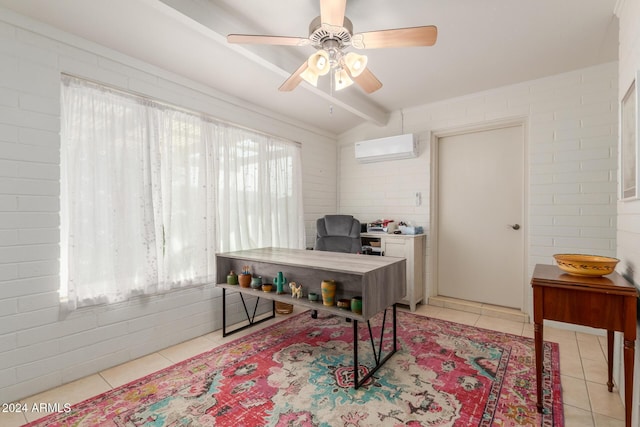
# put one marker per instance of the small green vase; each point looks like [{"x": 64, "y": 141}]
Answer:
[
  {"x": 356, "y": 305},
  {"x": 232, "y": 278}
]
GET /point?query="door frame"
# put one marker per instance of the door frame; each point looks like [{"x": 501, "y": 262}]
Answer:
[{"x": 436, "y": 135}]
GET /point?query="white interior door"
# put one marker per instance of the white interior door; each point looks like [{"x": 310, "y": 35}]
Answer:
[{"x": 480, "y": 241}]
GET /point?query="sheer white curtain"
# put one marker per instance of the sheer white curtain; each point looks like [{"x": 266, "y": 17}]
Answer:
[
  {"x": 109, "y": 224},
  {"x": 149, "y": 193},
  {"x": 259, "y": 201},
  {"x": 187, "y": 203}
]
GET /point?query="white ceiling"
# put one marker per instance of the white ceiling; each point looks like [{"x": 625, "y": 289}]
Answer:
[{"x": 481, "y": 45}]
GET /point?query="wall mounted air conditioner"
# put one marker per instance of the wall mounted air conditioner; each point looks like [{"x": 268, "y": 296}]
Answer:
[{"x": 390, "y": 148}]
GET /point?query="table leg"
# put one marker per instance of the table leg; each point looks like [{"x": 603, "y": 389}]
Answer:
[
  {"x": 376, "y": 354},
  {"x": 610, "y": 360},
  {"x": 250, "y": 319},
  {"x": 395, "y": 332},
  {"x": 224, "y": 312},
  {"x": 355, "y": 354},
  {"x": 537, "y": 328},
  {"x": 629, "y": 354},
  {"x": 538, "y": 295}
]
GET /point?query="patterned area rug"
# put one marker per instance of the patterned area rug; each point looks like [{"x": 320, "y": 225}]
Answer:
[{"x": 299, "y": 372}]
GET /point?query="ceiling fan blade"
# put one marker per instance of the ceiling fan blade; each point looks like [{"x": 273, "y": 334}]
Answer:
[
  {"x": 332, "y": 12},
  {"x": 276, "y": 40},
  {"x": 399, "y": 37},
  {"x": 367, "y": 81},
  {"x": 294, "y": 79}
]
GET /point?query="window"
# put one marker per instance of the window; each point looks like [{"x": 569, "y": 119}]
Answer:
[{"x": 149, "y": 193}]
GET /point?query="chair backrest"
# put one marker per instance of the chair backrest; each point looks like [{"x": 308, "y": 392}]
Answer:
[{"x": 338, "y": 233}]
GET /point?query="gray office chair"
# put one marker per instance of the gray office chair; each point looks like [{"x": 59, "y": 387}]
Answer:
[{"x": 338, "y": 233}]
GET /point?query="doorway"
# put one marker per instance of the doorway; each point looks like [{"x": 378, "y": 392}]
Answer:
[{"x": 479, "y": 214}]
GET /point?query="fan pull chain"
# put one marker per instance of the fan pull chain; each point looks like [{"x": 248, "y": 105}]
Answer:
[{"x": 331, "y": 89}]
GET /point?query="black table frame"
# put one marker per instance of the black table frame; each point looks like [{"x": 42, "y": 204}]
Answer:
[{"x": 377, "y": 353}]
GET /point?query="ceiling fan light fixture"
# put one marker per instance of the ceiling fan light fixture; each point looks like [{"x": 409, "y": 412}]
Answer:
[
  {"x": 319, "y": 62},
  {"x": 310, "y": 76},
  {"x": 356, "y": 63},
  {"x": 342, "y": 79},
  {"x": 329, "y": 34}
]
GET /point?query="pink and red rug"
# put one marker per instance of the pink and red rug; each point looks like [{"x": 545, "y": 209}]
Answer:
[{"x": 298, "y": 373}]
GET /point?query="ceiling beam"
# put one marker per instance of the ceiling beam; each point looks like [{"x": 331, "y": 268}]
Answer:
[{"x": 216, "y": 23}]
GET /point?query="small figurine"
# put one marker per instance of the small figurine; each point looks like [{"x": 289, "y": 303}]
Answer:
[
  {"x": 279, "y": 281},
  {"x": 296, "y": 290}
]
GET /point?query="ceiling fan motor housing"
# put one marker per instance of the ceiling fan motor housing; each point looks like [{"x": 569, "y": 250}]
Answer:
[{"x": 324, "y": 36}]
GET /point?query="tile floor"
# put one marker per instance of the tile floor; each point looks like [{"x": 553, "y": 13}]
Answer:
[{"x": 583, "y": 369}]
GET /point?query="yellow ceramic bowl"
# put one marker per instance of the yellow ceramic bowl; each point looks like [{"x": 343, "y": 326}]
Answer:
[{"x": 586, "y": 265}]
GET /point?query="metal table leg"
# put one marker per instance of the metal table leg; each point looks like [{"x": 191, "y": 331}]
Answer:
[
  {"x": 377, "y": 355},
  {"x": 251, "y": 318}
]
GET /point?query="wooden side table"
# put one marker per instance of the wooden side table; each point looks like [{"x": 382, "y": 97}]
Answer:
[{"x": 607, "y": 302}]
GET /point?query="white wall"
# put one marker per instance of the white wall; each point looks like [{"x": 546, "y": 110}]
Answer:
[
  {"x": 628, "y": 236},
  {"x": 39, "y": 348},
  {"x": 571, "y": 139}
]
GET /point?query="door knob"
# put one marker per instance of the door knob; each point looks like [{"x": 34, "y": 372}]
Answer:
[{"x": 515, "y": 226}]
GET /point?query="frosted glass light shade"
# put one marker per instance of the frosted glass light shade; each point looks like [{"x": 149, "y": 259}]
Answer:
[
  {"x": 319, "y": 62},
  {"x": 310, "y": 76},
  {"x": 356, "y": 63},
  {"x": 342, "y": 79}
]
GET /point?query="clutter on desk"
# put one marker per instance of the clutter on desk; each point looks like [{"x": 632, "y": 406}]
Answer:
[
  {"x": 405, "y": 228},
  {"x": 391, "y": 227},
  {"x": 381, "y": 226}
]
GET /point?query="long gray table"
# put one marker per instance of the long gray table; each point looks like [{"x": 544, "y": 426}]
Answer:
[{"x": 380, "y": 281}]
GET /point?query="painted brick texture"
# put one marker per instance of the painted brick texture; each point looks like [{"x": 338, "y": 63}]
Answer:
[
  {"x": 41, "y": 348},
  {"x": 571, "y": 161}
]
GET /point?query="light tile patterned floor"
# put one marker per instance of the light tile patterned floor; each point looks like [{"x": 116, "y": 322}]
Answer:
[{"x": 587, "y": 403}]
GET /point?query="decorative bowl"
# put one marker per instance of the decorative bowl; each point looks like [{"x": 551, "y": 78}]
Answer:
[
  {"x": 267, "y": 287},
  {"x": 586, "y": 265},
  {"x": 344, "y": 303},
  {"x": 313, "y": 296},
  {"x": 256, "y": 282}
]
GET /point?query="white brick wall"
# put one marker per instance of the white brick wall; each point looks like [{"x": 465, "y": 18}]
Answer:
[
  {"x": 572, "y": 158},
  {"x": 39, "y": 347},
  {"x": 320, "y": 187},
  {"x": 628, "y": 227}
]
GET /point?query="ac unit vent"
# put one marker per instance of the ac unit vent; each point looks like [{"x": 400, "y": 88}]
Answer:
[{"x": 390, "y": 148}]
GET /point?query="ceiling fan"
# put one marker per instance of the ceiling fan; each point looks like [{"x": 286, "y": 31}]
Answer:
[{"x": 332, "y": 32}]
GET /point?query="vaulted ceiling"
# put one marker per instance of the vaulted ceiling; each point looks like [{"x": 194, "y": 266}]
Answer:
[{"x": 481, "y": 45}]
